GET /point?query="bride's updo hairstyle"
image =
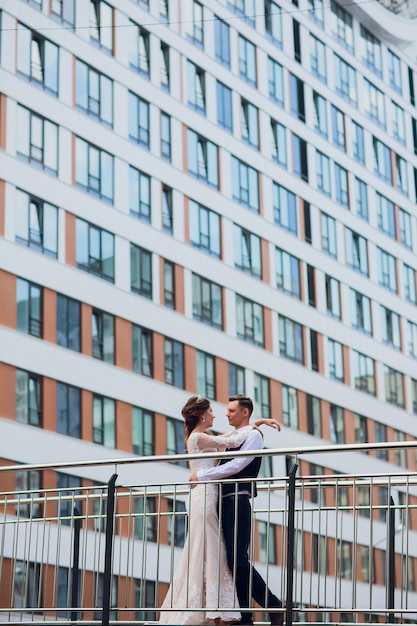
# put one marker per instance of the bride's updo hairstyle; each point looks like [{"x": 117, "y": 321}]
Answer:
[{"x": 192, "y": 411}]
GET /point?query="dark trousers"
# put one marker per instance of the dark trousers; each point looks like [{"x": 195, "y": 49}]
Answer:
[{"x": 237, "y": 539}]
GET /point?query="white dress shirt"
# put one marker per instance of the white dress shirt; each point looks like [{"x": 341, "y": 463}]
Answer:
[{"x": 253, "y": 441}]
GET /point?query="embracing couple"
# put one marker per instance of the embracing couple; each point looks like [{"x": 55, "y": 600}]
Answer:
[{"x": 212, "y": 561}]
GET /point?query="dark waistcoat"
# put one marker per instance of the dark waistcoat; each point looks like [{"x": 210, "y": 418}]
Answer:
[{"x": 250, "y": 471}]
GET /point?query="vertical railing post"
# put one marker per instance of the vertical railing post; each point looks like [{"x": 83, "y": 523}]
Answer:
[
  {"x": 290, "y": 535},
  {"x": 75, "y": 580},
  {"x": 108, "y": 550},
  {"x": 391, "y": 560}
]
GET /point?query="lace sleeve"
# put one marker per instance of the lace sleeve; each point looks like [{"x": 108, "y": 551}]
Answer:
[{"x": 232, "y": 440}]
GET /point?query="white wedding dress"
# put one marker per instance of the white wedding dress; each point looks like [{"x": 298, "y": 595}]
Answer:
[{"x": 203, "y": 578}]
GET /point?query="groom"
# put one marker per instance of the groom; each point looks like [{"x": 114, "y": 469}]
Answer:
[{"x": 236, "y": 516}]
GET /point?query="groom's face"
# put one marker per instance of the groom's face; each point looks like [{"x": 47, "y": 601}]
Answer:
[{"x": 237, "y": 415}]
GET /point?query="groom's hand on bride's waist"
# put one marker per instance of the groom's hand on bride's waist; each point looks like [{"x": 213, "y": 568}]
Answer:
[{"x": 193, "y": 479}]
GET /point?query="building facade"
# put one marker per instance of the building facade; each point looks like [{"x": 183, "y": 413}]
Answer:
[{"x": 206, "y": 196}]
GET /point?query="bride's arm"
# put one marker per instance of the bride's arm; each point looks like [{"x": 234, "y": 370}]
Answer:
[
  {"x": 221, "y": 442},
  {"x": 273, "y": 423}
]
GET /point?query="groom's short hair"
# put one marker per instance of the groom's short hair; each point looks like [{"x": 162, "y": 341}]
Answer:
[{"x": 244, "y": 402}]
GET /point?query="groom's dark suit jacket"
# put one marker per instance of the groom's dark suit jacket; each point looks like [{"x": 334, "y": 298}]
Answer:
[{"x": 250, "y": 471}]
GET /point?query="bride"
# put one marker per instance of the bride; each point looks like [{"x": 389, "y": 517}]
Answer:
[{"x": 203, "y": 579}]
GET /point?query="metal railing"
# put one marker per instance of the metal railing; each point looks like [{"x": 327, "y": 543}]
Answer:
[{"x": 336, "y": 548}]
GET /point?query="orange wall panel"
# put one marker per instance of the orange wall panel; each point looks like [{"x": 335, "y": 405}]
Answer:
[
  {"x": 266, "y": 271},
  {"x": 70, "y": 239},
  {"x": 161, "y": 429},
  {"x": 190, "y": 374},
  {"x": 86, "y": 415},
  {"x": 179, "y": 289},
  {"x": 123, "y": 343},
  {"x": 158, "y": 357},
  {"x": 8, "y": 309},
  {"x": 346, "y": 365},
  {"x": 222, "y": 380},
  {"x": 3, "y": 101},
  {"x": 49, "y": 315},
  {"x": 268, "y": 329},
  {"x": 276, "y": 400},
  {"x": 49, "y": 404},
  {"x": 2, "y": 206},
  {"x": 124, "y": 426},
  {"x": 86, "y": 331},
  {"x": 7, "y": 391},
  {"x": 302, "y": 411}
]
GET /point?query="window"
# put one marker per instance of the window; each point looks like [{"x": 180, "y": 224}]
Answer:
[
  {"x": 249, "y": 321},
  {"x": 414, "y": 395},
  {"x": 36, "y": 224},
  {"x": 145, "y": 597},
  {"x": 164, "y": 70},
  {"x": 390, "y": 328},
  {"x": 267, "y": 546},
  {"x": 361, "y": 190},
  {"x": 316, "y": 11},
  {"x": 361, "y": 428},
  {"x": 175, "y": 438},
  {"x": 29, "y": 308},
  {"x": 174, "y": 363},
  {"x": 236, "y": 379},
  {"x": 374, "y": 103},
  {"x": 261, "y": 397},
  {"x": 328, "y": 235},
  {"x": 320, "y": 114},
  {"x": 104, "y": 419},
  {"x": 94, "y": 250},
  {"x": 285, "y": 209},
  {"x": 337, "y": 426},
  {"x": 143, "y": 432},
  {"x": 332, "y": 296},
  {"x": 94, "y": 170},
  {"x": 341, "y": 181},
  {"x": 412, "y": 338},
  {"x": 141, "y": 271},
  {"x": 249, "y": 123},
  {"x": 386, "y": 216},
  {"x": 245, "y": 184},
  {"x": 405, "y": 229},
  {"x": 363, "y": 372},
  {"x": 381, "y": 437},
  {"x": 176, "y": 522},
  {"x": 409, "y": 284},
  {"x": 299, "y": 149},
  {"x": 28, "y": 398},
  {"x": 204, "y": 229},
  {"x": 356, "y": 252},
  {"x": 313, "y": 415},
  {"x": 94, "y": 93},
  {"x": 297, "y": 97},
  {"x": 68, "y": 410},
  {"x": 169, "y": 284},
  {"x": 166, "y": 136},
  {"x": 102, "y": 332},
  {"x": 163, "y": 10},
  {"x": 196, "y": 88},
  {"x": 314, "y": 350},
  {"x": 296, "y": 40},
  {"x": 287, "y": 273},
  {"x": 139, "y": 50},
  {"x": 145, "y": 517},
  {"x": 243, "y": 8},
  {"x": 371, "y": 51},
  {"x": 289, "y": 407},
  {"x": 358, "y": 143},
  {"x": 142, "y": 351},
  {"x": 167, "y": 216},
  {"x": 139, "y": 120},
  {"x": 28, "y": 481},
  {"x": 101, "y": 24},
  {"x": 224, "y": 106},
  {"x": 342, "y": 25},
  {"x": 335, "y": 354},
  {"x": 290, "y": 339},
  {"x": 323, "y": 173},
  {"x": 247, "y": 251},
  {"x": 222, "y": 41},
  {"x": 402, "y": 175},
  {"x": 37, "y": 59},
  {"x": 398, "y": 123},
  {"x": 139, "y": 194},
  {"x": 37, "y": 140},
  {"x": 207, "y": 301},
  {"x": 382, "y": 160},
  {"x": 345, "y": 80},
  {"x": 318, "y": 59},
  {"x": 206, "y": 378},
  {"x": 64, "y": 10},
  {"x": 387, "y": 275},
  {"x": 276, "y": 81},
  {"x": 394, "y": 72},
  {"x": 360, "y": 310},
  {"x": 247, "y": 61},
  {"x": 278, "y": 143},
  {"x": 338, "y": 128},
  {"x": 394, "y": 388},
  {"x": 68, "y": 319},
  {"x": 202, "y": 159},
  {"x": 68, "y": 489},
  {"x": 273, "y": 22},
  {"x": 194, "y": 23}
]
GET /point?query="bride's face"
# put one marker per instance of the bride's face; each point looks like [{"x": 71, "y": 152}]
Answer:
[{"x": 209, "y": 417}]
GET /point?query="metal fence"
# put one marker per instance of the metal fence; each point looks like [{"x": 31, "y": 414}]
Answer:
[{"x": 336, "y": 548}]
